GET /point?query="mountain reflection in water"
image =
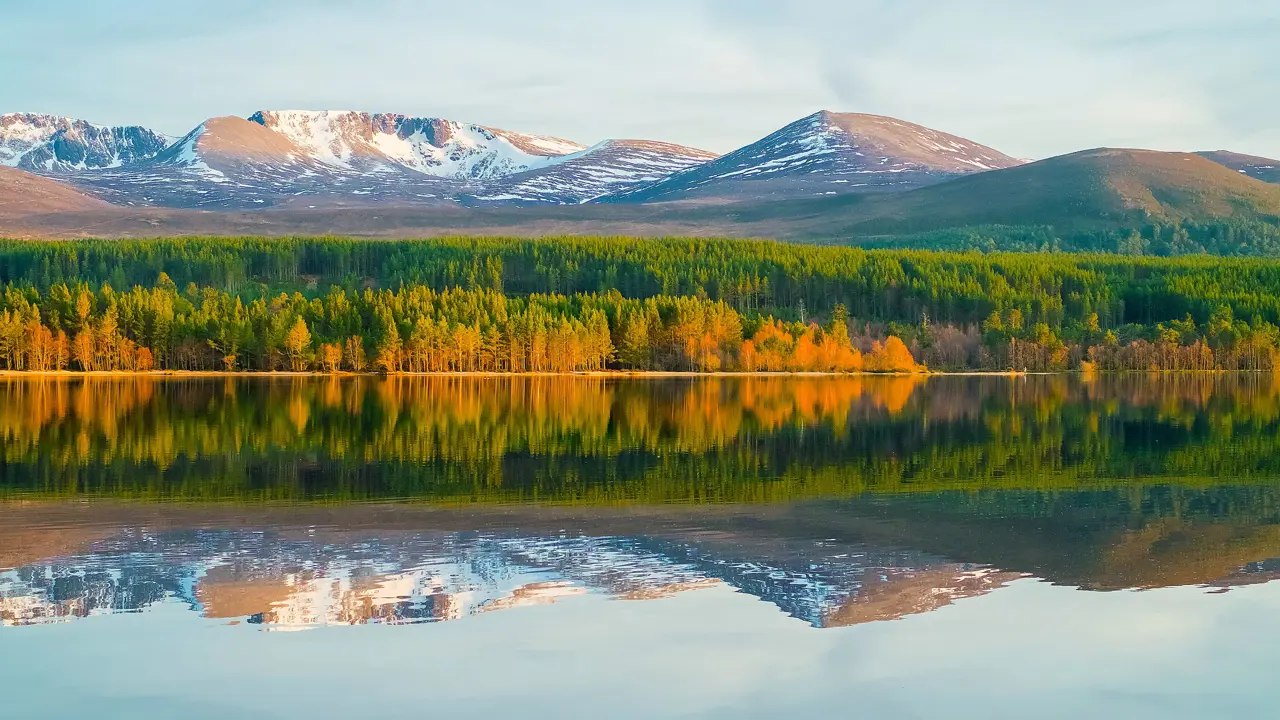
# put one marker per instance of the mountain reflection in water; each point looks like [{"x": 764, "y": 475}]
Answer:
[
  {"x": 305, "y": 579},
  {"x": 826, "y": 563},
  {"x": 838, "y": 500}
]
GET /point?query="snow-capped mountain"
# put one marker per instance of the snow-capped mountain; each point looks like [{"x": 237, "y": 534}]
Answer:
[
  {"x": 314, "y": 158},
  {"x": 431, "y": 146},
  {"x": 605, "y": 168},
  {"x": 52, "y": 144},
  {"x": 826, "y": 154},
  {"x": 307, "y": 158}
]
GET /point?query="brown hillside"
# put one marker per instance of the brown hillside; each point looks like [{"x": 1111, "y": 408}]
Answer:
[{"x": 22, "y": 193}]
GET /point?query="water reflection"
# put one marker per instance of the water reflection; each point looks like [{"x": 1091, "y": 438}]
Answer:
[
  {"x": 826, "y": 563},
  {"x": 605, "y": 441},
  {"x": 299, "y": 582},
  {"x": 564, "y": 546},
  {"x": 839, "y": 501}
]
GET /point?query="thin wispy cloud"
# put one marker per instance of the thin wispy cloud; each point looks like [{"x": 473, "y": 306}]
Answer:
[{"x": 1034, "y": 79}]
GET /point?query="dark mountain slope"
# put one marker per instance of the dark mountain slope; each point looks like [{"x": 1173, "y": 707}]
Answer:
[{"x": 1264, "y": 169}]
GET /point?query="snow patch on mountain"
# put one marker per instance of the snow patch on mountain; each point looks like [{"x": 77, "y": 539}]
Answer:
[
  {"x": 823, "y": 153},
  {"x": 431, "y": 146},
  {"x": 351, "y": 158},
  {"x": 326, "y": 137},
  {"x": 600, "y": 170},
  {"x": 52, "y": 144},
  {"x": 184, "y": 154}
]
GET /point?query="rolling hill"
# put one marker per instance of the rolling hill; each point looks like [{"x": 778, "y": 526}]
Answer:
[{"x": 1103, "y": 188}]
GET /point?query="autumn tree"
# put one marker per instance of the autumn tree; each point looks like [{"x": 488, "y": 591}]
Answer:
[
  {"x": 353, "y": 354},
  {"x": 331, "y": 357},
  {"x": 891, "y": 356},
  {"x": 297, "y": 345}
]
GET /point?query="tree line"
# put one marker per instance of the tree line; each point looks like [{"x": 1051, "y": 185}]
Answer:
[
  {"x": 559, "y": 304},
  {"x": 412, "y": 329},
  {"x": 1239, "y": 237}
]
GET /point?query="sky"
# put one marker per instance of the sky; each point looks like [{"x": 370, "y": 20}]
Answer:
[
  {"x": 1027, "y": 650},
  {"x": 1033, "y": 79}
]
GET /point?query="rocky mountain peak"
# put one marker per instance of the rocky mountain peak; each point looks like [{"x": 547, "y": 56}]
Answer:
[{"x": 50, "y": 143}]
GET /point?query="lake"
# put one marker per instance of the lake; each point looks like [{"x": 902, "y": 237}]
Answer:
[{"x": 983, "y": 546}]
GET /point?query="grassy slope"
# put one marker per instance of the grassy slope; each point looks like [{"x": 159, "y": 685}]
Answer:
[{"x": 1085, "y": 190}]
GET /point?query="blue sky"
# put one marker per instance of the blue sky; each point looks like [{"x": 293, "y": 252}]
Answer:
[{"x": 1031, "y": 78}]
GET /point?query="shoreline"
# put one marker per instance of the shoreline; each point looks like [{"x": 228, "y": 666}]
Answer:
[
  {"x": 606, "y": 374},
  {"x": 601, "y": 374}
]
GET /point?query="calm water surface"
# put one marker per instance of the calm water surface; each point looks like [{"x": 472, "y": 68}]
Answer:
[{"x": 574, "y": 547}]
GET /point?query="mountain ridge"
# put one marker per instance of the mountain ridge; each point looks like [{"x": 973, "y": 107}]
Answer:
[
  {"x": 286, "y": 158},
  {"x": 53, "y": 143},
  {"x": 1259, "y": 168},
  {"x": 826, "y": 177},
  {"x": 829, "y": 153}
]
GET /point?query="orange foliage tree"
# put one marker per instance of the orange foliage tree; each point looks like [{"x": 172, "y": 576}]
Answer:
[{"x": 891, "y": 356}]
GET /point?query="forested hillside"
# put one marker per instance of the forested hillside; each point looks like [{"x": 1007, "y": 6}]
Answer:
[{"x": 566, "y": 304}]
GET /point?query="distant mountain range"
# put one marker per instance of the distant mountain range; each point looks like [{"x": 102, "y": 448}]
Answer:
[
  {"x": 826, "y": 176},
  {"x": 305, "y": 158}
]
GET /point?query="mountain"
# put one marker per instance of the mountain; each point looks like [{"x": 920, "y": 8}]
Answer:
[
  {"x": 48, "y": 143},
  {"x": 828, "y": 154},
  {"x": 312, "y": 159},
  {"x": 1264, "y": 169},
  {"x": 23, "y": 193},
  {"x": 606, "y": 168},
  {"x": 1093, "y": 189},
  {"x": 431, "y": 146},
  {"x": 827, "y": 177},
  {"x": 309, "y": 159}
]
